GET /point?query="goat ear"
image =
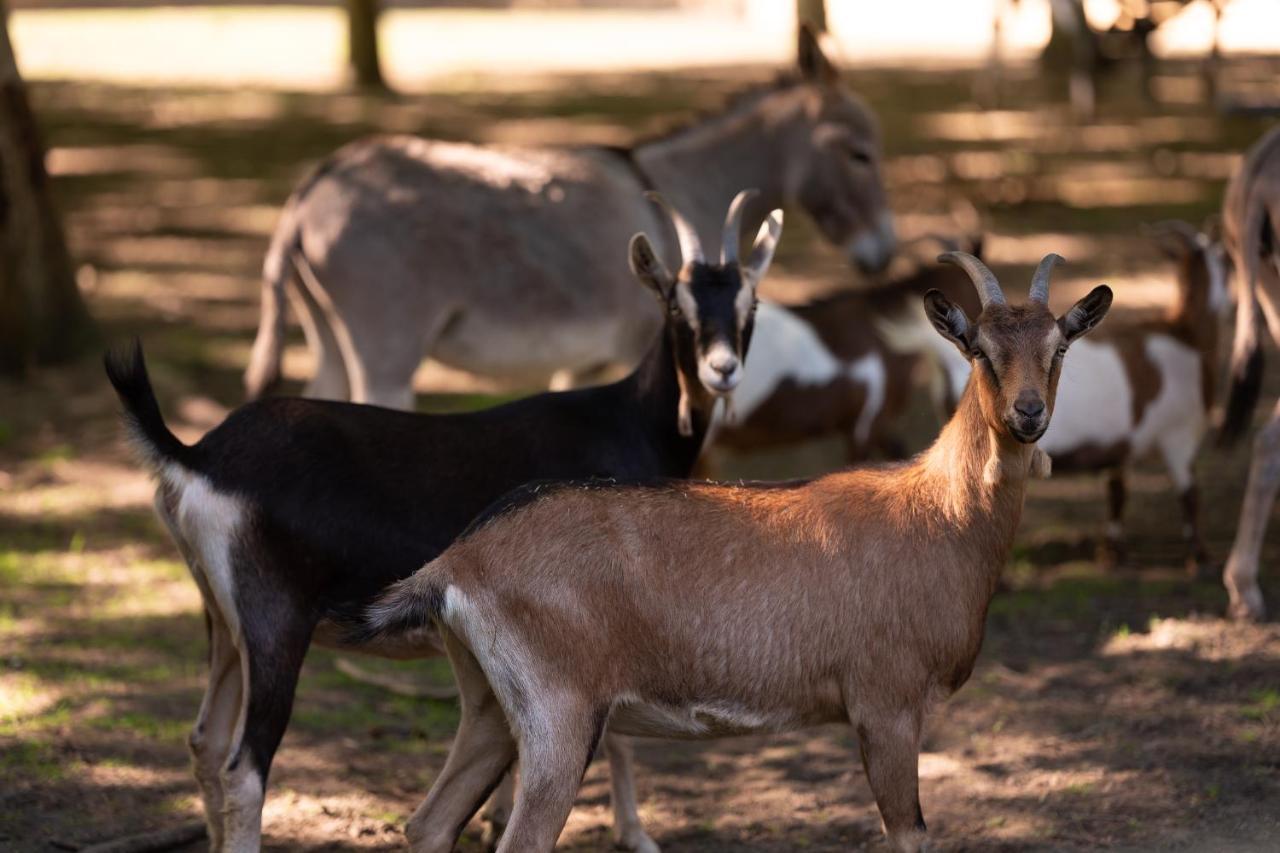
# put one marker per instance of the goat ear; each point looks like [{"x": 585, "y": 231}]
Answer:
[
  {"x": 649, "y": 268},
  {"x": 1086, "y": 313},
  {"x": 948, "y": 318},
  {"x": 762, "y": 250},
  {"x": 814, "y": 64}
]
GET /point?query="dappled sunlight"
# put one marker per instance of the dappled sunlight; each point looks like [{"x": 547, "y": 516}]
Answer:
[{"x": 1203, "y": 638}]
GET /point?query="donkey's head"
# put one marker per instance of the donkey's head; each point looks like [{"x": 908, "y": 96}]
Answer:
[
  {"x": 710, "y": 307},
  {"x": 836, "y": 159},
  {"x": 1015, "y": 351}
]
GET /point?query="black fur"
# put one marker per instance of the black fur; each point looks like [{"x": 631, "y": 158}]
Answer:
[
  {"x": 127, "y": 371},
  {"x": 1242, "y": 399}
]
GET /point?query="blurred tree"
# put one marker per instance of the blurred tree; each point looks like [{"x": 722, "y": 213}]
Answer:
[
  {"x": 42, "y": 317},
  {"x": 362, "y": 43},
  {"x": 813, "y": 13}
]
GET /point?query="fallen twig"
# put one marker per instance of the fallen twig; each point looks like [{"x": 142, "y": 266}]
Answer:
[
  {"x": 396, "y": 684},
  {"x": 149, "y": 842}
]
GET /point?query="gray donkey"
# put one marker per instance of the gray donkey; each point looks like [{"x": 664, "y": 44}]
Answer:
[{"x": 489, "y": 259}]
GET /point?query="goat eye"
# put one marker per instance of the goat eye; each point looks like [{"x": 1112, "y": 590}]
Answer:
[
  {"x": 977, "y": 353},
  {"x": 860, "y": 157},
  {"x": 1061, "y": 352}
]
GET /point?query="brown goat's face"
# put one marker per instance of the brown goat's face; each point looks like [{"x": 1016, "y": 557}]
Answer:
[{"x": 1016, "y": 355}]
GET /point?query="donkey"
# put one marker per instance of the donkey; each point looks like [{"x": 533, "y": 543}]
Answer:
[
  {"x": 293, "y": 514},
  {"x": 488, "y": 259},
  {"x": 1251, "y": 233},
  {"x": 698, "y": 610}
]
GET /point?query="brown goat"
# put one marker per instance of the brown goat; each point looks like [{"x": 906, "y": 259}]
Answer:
[{"x": 694, "y": 610}]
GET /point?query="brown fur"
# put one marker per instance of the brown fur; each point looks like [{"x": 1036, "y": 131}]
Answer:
[{"x": 701, "y": 609}]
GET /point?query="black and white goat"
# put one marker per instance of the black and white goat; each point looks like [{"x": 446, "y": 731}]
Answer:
[
  {"x": 293, "y": 514},
  {"x": 846, "y": 364}
]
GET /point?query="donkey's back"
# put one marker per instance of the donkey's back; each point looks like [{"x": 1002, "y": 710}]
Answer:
[{"x": 493, "y": 253}]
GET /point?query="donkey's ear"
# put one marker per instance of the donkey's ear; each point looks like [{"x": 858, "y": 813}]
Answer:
[
  {"x": 948, "y": 318},
  {"x": 1086, "y": 313},
  {"x": 649, "y": 268},
  {"x": 813, "y": 62},
  {"x": 762, "y": 250}
]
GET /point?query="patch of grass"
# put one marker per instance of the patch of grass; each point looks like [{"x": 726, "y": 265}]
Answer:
[
  {"x": 146, "y": 725},
  {"x": 57, "y": 453},
  {"x": 1079, "y": 789},
  {"x": 1265, "y": 702},
  {"x": 29, "y": 760}
]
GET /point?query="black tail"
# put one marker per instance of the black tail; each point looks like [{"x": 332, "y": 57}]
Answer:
[
  {"x": 413, "y": 603},
  {"x": 128, "y": 374}
]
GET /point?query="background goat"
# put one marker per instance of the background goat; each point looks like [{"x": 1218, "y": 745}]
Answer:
[
  {"x": 293, "y": 512},
  {"x": 1251, "y": 233},
  {"x": 696, "y": 610},
  {"x": 489, "y": 259},
  {"x": 847, "y": 364},
  {"x": 1147, "y": 387}
]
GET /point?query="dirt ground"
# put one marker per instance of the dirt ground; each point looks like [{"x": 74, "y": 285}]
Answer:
[{"x": 1109, "y": 709}]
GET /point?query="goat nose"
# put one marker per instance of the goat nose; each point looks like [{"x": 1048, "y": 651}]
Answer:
[
  {"x": 725, "y": 366},
  {"x": 1029, "y": 404}
]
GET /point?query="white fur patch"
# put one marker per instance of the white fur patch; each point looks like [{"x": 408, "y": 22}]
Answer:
[
  {"x": 1175, "y": 422},
  {"x": 911, "y": 333},
  {"x": 782, "y": 347},
  {"x": 870, "y": 373},
  {"x": 209, "y": 521},
  {"x": 1094, "y": 403},
  {"x": 688, "y": 305},
  {"x": 633, "y": 715}
]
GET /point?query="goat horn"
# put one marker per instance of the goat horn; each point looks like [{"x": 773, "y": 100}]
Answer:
[
  {"x": 690, "y": 245},
  {"x": 989, "y": 292},
  {"x": 733, "y": 227},
  {"x": 1040, "y": 281}
]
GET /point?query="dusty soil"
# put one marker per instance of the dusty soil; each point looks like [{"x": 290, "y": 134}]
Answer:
[{"x": 1108, "y": 710}]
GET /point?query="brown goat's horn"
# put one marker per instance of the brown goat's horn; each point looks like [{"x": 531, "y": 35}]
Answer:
[
  {"x": 1040, "y": 281},
  {"x": 989, "y": 292},
  {"x": 733, "y": 227},
  {"x": 690, "y": 245}
]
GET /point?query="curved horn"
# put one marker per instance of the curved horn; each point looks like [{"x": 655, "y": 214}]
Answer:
[
  {"x": 989, "y": 292},
  {"x": 732, "y": 233},
  {"x": 690, "y": 245},
  {"x": 1040, "y": 281}
]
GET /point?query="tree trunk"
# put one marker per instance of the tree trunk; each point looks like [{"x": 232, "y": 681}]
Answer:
[
  {"x": 42, "y": 317},
  {"x": 362, "y": 44},
  {"x": 813, "y": 13}
]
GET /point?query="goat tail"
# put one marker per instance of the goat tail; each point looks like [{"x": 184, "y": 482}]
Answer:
[
  {"x": 1246, "y": 349},
  {"x": 127, "y": 371},
  {"x": 411, "y": 604},
  {"x": 263, "y": 373}
]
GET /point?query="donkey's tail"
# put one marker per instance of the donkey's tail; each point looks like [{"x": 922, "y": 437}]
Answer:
[
  {"x": 1246, "y": 350},
  {"x": 263, "y": 372}
]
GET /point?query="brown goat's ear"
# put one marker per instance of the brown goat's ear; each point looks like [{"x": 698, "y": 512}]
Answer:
[
  {"x": 813, "y": 62},
  {"x": 649, "y": 268},
  {"x": 1086, "y": 313},
  {"x": 948, "y": 318}
]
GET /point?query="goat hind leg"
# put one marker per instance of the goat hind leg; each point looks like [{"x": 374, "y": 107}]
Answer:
[
  {"x": 480, "y": 758},
  {"x": 1241, "y": 572},
  {"x": 1113, "y": 553},
  {"x": 891, "y": 757},
  {"x": 211, "y": 736}
]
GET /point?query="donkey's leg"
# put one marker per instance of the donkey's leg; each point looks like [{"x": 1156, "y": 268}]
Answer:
[
  {"x": 628, "y": 833},
  {"x": 482, "y": 752},
  {"x": 1241, "y": 572},
  {"x": 386, "y": 352},
  {"x": 891, "y": 757},
  {"x": 211, "y": 736},
  {"x": 557, "y": 738},
  {"x": 274, "y": 646},
  {"x": 330, "y": 381}
]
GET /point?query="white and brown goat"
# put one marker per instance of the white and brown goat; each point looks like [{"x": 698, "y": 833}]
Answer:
[
  {"x": 1147, "y": 387},
  {"x": 695, "y": 610},
  {"x": 1251, "y": 233},
  {"x": 846, "y": 364}
]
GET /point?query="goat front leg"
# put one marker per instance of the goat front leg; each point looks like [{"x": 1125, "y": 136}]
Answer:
[
  {"x": 891, "y": 757},
  {"x": 1112, "y": 553},
  {"x": 1241, "y": 572},
  {"x": 628, "y": 832}
]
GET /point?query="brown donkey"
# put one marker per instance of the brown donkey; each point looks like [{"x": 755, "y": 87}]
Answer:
[{"x": 695, "y": 610}]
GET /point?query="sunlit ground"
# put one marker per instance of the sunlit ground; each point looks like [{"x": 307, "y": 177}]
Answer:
[{"x": 303, "y": 48}]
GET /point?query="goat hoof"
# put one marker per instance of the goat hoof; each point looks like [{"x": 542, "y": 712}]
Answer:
[
  {"x": 637, "y": 844},
  {"x": 1247, "y": 611}
]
